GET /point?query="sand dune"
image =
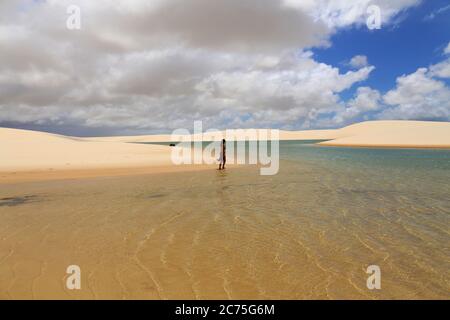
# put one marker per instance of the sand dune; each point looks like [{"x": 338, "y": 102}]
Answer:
[
  {"x": 400, "y": 134},
  {"x": 390, "y": 133},
  {"x": 210, "y": 136},
  {"x": 23, "y": 150},
  {"x": 142, "y": 138}
]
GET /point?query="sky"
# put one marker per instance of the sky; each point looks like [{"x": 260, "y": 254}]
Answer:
[{"x": 153, "y": 66}]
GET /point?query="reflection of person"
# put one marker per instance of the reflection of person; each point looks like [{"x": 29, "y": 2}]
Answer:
[{"x": 223, "y": 154}]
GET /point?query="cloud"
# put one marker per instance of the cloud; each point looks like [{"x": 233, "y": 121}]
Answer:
[
  {"x": 440, "y": 70},
  {"x": 237, "y": 25},
  {"x": 437, "y": 12},
  {"x": 358, "y": 61},
  {"x": 344, "y": 13},
  {"x": 447, "y": 49},
  {"x": 295, "y": 91},
  {"x": 418, "y": 96},
  {"x": 142, "y": 66},
  {"x": 365, "y": 100}
]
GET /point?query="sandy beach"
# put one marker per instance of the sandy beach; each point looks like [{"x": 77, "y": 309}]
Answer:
[{"x": 31, "y": 155}]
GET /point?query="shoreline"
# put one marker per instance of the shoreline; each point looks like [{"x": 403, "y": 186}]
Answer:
[
  {"x": 14, "y": 177},
  {"x": 383, "y": 146},
  {"x": 32, "y": 155}
]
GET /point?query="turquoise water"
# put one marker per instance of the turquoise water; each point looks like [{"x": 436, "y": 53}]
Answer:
[
  {"x": 421, "y": 159},
  {"x": 429, "y": 160}
]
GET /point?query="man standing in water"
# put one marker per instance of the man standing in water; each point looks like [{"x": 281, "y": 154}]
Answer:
[{"x": 223, "y": 155}]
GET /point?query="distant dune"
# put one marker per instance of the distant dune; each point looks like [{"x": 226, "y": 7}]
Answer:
[
  {"x": 395, "y": 133},
  {"x": 23, "y": 150},
  {"x": 284, "y": 135},
  {"x": 398, "y": 134}
]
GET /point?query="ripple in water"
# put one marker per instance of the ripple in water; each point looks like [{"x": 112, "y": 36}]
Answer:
[{"x": 309, "y": 232}]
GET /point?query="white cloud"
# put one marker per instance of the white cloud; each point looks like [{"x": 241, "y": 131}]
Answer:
[
  {"x": 447, "y": 49},
  {"x": 441, "y": 69},
  {"x": 437, "y": 12},
  {"x": 358, "y": 61},
  {"x": 293, "y": 92},
  {"x": 418, "y": 96},
  {"x": 158, "y": 65},
  {"x": 343, "y": 13},
  {"x": 365, "y": 100}
]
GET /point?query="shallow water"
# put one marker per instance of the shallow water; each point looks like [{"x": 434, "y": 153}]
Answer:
[{"x": 309, "y": 232}]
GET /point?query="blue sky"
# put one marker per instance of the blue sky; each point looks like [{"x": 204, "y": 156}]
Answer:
[{"x": 396, "y": 49}]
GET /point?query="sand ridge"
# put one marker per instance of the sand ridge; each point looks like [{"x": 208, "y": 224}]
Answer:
[
  {"x": 398, "y": 134},
  {"x": 383, "y": 133}
]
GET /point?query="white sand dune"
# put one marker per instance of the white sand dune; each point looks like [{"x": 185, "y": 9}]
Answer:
[
  {"x": 399, "y": 134},
  {"x": 142, "y": 138},
  {"x": 309, "y": 134},
  {"x": 24, "y": 150},
  {"x": 210, "y": 136},
  {"x": 390, "y": 133}
]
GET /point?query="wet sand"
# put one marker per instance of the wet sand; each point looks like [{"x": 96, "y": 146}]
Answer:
[
  {"x": 308, "y": 233},
  {"x": 13, "y": 177}
]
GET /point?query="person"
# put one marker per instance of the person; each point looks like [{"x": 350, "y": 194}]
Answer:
[{"x": 223, "y": 155}]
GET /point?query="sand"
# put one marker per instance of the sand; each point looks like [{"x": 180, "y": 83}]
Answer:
[
  {"x": 389, "y": 133},
  {"x": 29, "y": 155},
  {"x": 307, "y": 233},
  {"x": 24, "y": 150},
  {"x": 211, "y": 136},
  {"x": 37, "y": 153},
  {"x": 398, "y": 134}
]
